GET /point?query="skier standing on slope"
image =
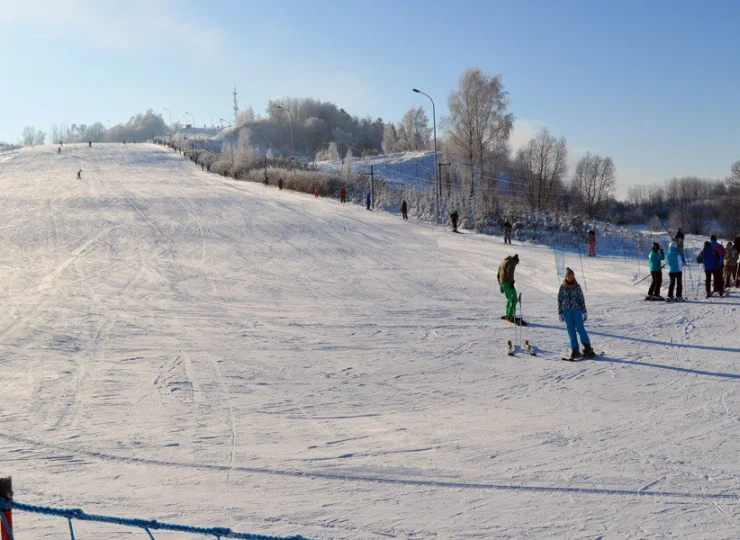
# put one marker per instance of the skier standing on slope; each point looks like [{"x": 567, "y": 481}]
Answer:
[
  {"x": 572, "y": 310},
  {"x": 404, "y": 210},
  {"x": 676, "y": 261},
  {"x": 507, "y": 232},
  {"x": 730, "y": 265},
  {"x": 506, "y": 285},
  {"x": 710, "y": 259},
  {"x": 719, "y": 248},
  {"x": 655, "y": 257},
  {"x": 591, "y": 240},
  {"x": 79, "y": 174}
]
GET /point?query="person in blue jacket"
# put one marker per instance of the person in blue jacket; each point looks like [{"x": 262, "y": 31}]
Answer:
[
  {"x": 655, "y": 258},
  {"x": 572, "y": 310},
  {"x": 710, "y": 258},
  {"x": 676, "y": 262}
]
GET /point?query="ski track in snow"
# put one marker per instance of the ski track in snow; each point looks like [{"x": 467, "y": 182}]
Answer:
[{"x": 188, "y": 348}]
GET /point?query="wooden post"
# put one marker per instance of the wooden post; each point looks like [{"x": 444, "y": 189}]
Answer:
[{"x": 6, "y": 492}]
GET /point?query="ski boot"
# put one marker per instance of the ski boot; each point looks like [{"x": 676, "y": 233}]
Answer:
[
  {"x": 588, "y": 351},
  {"x": 575, "y": 354}
]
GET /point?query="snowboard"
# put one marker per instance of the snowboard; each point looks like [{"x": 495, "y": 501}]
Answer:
[
  {"x": 597, "y": 355},
  {"x": 517, "y": 321}
]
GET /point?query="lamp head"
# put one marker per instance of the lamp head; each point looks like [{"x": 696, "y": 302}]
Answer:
[{"x": 417, "y": 91}]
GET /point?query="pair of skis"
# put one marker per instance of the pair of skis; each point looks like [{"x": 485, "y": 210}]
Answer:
[{"x": 526, "y": 347}]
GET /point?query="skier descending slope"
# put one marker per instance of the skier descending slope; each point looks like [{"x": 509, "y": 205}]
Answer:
[{"x": 572, "y": 310}]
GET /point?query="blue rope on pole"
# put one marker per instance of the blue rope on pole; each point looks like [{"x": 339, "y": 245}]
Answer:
[{"x": 147, "y": 525}]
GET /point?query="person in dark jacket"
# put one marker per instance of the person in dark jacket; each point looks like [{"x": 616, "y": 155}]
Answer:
[
  {"x": 343, "y": 195},
  {"x": 453, "y": 217},
  {"x": 506, "y": 285},
  {"x": 710, "y": 258},
  {"x": 591, "y": 239},
  {"x": 368, "y": 200},
  {"x": 404, "y": 210},
  {"x": 572, "y": 311},
  {"x": 507, "y": 232},
  {"x": 655, "y": 259}
]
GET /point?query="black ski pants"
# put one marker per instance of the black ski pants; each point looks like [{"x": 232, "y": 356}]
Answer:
[
  {"x": 677, "y": 281},
  {"x": 654, "y": 289},
  {"x": 718, "y": 284}
]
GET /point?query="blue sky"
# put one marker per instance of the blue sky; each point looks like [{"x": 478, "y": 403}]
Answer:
[{"x": 654, "y": 85}]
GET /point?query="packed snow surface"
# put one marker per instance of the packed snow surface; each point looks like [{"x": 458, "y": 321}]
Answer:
[{"x": 183, "y": 347}]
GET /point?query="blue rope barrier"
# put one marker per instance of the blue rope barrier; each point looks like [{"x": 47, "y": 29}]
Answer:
[{"x": 147, "y": 525}]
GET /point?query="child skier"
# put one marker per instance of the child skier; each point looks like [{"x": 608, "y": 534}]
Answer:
[
  {"x": 655, "y": 257},
  {"x": 572, "y": 310},
  {"x": 591, "y": 241},
  {"x": 676, "y": 261}
]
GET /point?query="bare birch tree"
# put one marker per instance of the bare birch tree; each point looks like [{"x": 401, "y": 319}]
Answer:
[
  {"x": 595, "y": 178},
  {"x": 479, "y": 124},
  {"x": 539, "y": 169}
]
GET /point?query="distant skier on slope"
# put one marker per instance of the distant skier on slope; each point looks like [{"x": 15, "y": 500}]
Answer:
[
  {"x": 572, "y": 311},
  {"x": 676, "y": 262},
  {"x": 506, "y": 285},
  {"x": 655, "y": 258},
  {"x": 79, "y": 174},
  {"x": 591, "y": 241},
  {"x": 507, "y": 232}
]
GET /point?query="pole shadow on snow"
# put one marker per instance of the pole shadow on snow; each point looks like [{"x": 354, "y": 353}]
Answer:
[
  {"x": 655, "y": 342},
  {"x": 377, "y": 479}
]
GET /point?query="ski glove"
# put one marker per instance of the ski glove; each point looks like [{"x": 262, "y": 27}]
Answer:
[
  {"x": 560, "y": 316},
  {"x": 585, "y": 316},
  {"x": 501, "y": 287}
]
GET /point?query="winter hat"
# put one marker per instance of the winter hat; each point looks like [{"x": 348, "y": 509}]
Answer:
[
  {"x": 674, "y": 245},
  {"x": 569, "y": 272},
  {"x": 707, "y": 244},
  {"x": 515, "y": 257},
  {"x": 656, "y": 245}
]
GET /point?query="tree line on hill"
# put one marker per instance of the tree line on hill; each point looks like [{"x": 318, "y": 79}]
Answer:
[{"x": 480, "y": 177}]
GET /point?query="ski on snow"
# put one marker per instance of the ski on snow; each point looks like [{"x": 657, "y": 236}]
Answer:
[{"x": 597, "y": 355}]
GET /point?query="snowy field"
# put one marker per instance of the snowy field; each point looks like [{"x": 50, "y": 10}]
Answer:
[{"x": 188, "y": 348}]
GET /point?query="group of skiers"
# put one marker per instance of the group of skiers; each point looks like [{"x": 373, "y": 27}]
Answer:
[{"x": 720, "y": 267}]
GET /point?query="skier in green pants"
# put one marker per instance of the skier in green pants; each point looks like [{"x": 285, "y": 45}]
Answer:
[{"x": 506, "y": 283}]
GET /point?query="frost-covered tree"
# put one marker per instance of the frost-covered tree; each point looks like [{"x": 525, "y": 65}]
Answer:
[
  {"x": 414, "y": 131},
  {"x": 479, "y": 125},
  {"x": 540, "y": 168},
  {"x": 390, "y": 138},
  {"x": 31, "y": 136},
  {"x": 348, "y": 166},
  {"x": 329, "y": 153},
  {"x": 594, "y": 179}
]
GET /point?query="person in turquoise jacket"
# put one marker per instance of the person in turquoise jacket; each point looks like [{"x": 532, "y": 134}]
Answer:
[
  {"x": 676, "y": 262},
  {"x": 655, "y": 260}
]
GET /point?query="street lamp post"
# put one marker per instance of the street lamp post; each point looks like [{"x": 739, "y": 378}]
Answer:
[
  {"x": 191, "y": 116},
  {"x": 292, "y": 140},
  {"x": 437, "y": 187}
]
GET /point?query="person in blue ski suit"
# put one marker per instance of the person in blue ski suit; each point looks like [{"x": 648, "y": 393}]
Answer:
[
  {"x": 710, "y": 258},
  {"x": 655, "y": 258},
  {"x": 676, "y": 262},
  {"x": 572, "y": 310}
]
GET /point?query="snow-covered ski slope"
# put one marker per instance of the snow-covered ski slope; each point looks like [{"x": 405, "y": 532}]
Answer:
[{"x": 180, "y": 346}]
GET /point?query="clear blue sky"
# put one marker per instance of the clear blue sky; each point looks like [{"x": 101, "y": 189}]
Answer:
[{"x": 655, "y": 85}]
